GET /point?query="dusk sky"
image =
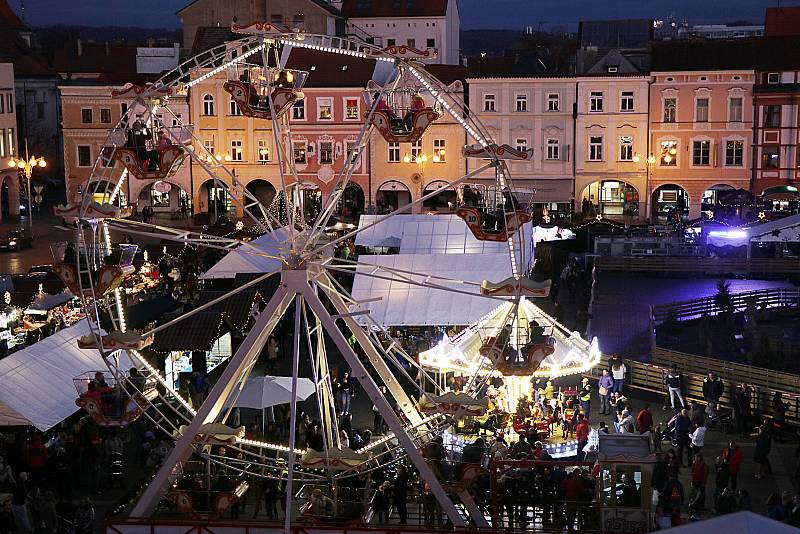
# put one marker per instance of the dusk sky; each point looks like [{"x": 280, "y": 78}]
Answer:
[{"x": 506, "y": 14}]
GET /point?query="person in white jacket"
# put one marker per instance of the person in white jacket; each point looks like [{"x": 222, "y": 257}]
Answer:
[
  {"x": 698, "y": 439},
  {"x": 618, "y": 370}
]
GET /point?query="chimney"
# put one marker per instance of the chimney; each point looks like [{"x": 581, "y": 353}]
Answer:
[
  {"x": 107, "y": 51},
  {"x": 80, "y": 48},
  {"x": 151, "y": 42}
]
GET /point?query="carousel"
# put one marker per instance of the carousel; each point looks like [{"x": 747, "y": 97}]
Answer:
[{"x": 523, "y": 367}]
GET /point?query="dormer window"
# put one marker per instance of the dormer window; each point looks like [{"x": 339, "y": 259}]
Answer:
[
  {"x": 773, "y": 77},
  {"x": 613, "y": 68}
]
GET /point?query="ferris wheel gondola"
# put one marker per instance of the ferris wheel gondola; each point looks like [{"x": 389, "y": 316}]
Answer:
[{"x": 305, "y": 269}]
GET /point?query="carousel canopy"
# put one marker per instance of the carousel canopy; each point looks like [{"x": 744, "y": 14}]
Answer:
[
  {"x": 403, "y": 304},
  {"x": 573, "y": 354},
  {"x": 36, "y": 385},
  {"x": 257, "y": 256}
]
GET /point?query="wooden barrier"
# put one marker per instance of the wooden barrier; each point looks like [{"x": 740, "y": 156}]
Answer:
[
  {"x": 762, "y": 299},
  {"x": 699, "y": 266},
  {"x": 763, "y": 382}
]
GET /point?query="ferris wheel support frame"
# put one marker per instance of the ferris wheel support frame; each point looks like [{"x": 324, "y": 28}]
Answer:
[{"x": 295, "y": 284}]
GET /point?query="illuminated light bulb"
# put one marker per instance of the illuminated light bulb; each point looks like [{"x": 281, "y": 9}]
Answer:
[
  {"x": 21, "y": 164},
  {"x": 42, "y": 163},
  {"x": 228, "y": 157},
  {"x": 436, "y": 158},
  {"x": 673, "y": 151},
  {"x": 636, "y": 158},
  {"x": 651, "y": 159},
  {"x": 406, "y": 159},
  {"x": 12, "y": 162},
  {"x": 667, "y": 158},
  {"x": 417, "y": 160},
  {"x": 219, "y": 157},
  {"x": 424, "y": 158}
]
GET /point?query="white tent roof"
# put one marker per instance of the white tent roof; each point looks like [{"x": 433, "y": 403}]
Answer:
[
  {"x": 572, "y": 354},
  {"x": 253, "y": 257},
  {"x": 737, "y": 523},
  {"x": 47, "y": 302},
  {"x": 404, "y": 304},
  {"x": 36, "y": 385}
]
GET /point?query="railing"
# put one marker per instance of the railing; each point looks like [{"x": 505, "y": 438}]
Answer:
[
  {"x": 759, "y": 299},
  {"x": 702, "y": 266},
  {"x": 763, "y": 383}
]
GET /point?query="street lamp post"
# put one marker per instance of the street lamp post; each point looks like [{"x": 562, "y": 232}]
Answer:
[{"x": 26, "y": 167}]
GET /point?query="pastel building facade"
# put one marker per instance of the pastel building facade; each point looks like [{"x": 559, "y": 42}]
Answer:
[
  {"x": 611, "y": 125},
  {"x": 531, "y": 113},
  {"x": 700, "y": 139}
]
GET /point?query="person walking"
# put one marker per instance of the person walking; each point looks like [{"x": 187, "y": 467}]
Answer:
[
  {"x": 400, "y": 493},
  {"x": 582, "y": 435},
  {"x": 761, "y": 454},
  {"x": 618, "y": 371},
  {"x": 713, "y": 388},
  {"x": 742, "y": 399},
  {"x": 644, "y": 420},
  {"x": 585, "y": 397},
  {"x": 674, "y": 381},
  {"x": 779, "y": 409},
  {"x": 700, "y": 472},
  {"x": 683, "y": 427},
  {"x": 732, "y": 455},
  {"x": 698, "y": 437},
  {"x": 381, "y": 503},
  {"x": 604, "y": 386}
]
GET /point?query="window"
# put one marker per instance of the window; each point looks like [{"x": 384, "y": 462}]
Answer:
[
  {"x": 770, "y": 159},
  {"x": 324, "y": 109},
  {"x": 10, "y": 102},
  {"x": 86, "y": 116},
  {"x": 438, "y": 149},
  {"x": 521, "y": 144},
  {"x": 596, "y": 148},
  {"x": 263, "y": 151},
  {"x": 84, "y": 156},
  {"x": 772, "y": 116},
  {"x": 626, "y": 101},
  {"x": 669, "y": 153},
  {"x": 488, "y": 103},
  {"x": 3, "y": 106},
  {"x": 3, "y": 143},
  {"x": 105, "y": 156},
  {"x": 299, "y": 20},
  {"x": 734, "y": 153},
  {"x": 701, "y": 151},
  {"x": 391, "y": 42},
  {"x": 236, "y": 151},
  {"x": 553, "y": 149},
  {"x": 177, "y": 119},
  {"x": 701, "y": 110},
  {"x": 394, "y": 152},
  {"x": 430, "y": 43},
  {"x": 299, "y": 110},
  {"x": 596, "y": 101},
  {"x": 522, "y": 102},
  {"x": 553, "y": 102},
  {"x": 773, "y": 77},
  {"x": 209, "y": 146},
  {"x": 350, "y": 149},
  {"x": 105, "y": 115},
  {"x": 626, "y": 148},
  {"x": 40, "y": 110},
  {"x": 735, "y": 109},
  {"x": 123, "y": 112},
  {"x": 233, "y": 108},
  {"x": 299, "y": 152},
  {"x": 208, "y": 105},
  {"x": 326, "y": 152},
  {"x": 11, "y": 141},
  {"x": 416, "y": 149},
  {"x": 412, "y": 43},
  {"x": 351, "y": 109},
  {"x": 670, "y": 109},
  {"x": 276, "y": 19}
]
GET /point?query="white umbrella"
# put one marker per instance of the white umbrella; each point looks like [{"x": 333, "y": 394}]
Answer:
[{"x": 264, "y": 391}]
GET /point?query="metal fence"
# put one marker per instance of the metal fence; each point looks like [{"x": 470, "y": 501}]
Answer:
[
  {"x": 759, "y": 300},
  {"x": 699, "y": 266}
]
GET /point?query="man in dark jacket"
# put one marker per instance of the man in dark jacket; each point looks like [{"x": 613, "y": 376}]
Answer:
[
  {"x": 683, "y": 427},
  {"x": 741, "y": 409},
  {"x": 713, "y": 388}
]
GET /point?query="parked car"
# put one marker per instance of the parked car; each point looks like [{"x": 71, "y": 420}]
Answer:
[{"x": 16, "y": 240}]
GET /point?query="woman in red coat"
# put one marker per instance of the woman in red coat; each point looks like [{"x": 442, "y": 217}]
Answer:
[{"x": 732, "y": 455}]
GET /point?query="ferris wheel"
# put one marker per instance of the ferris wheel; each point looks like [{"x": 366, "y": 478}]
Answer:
[{"x": 399, "y": 107}]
